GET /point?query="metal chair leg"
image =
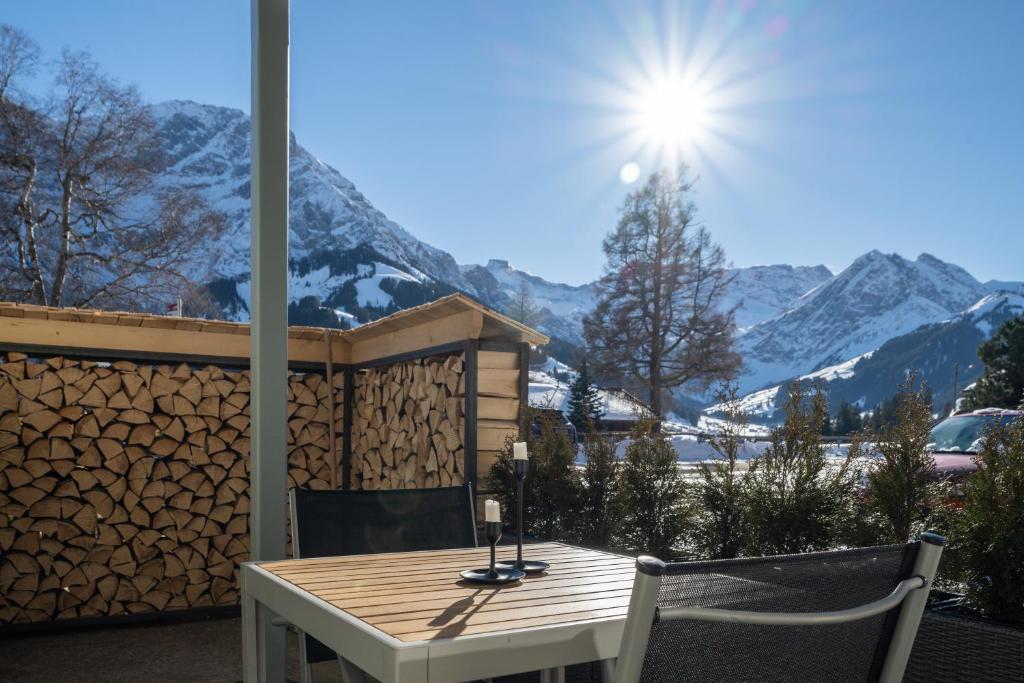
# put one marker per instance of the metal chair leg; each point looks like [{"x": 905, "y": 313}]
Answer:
[
  {"x": 556, "y": 675},
  {"x": 305, "y": 668},
  {"x": 350, "y": 673}
]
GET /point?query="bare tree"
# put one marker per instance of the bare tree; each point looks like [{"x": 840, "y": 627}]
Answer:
[
  {"x": 523, "y": 307},
  {"x": 659, "y": 317},
  {"x": 83, "y": 220}
]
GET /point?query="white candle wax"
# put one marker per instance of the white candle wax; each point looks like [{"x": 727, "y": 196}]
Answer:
[
  {"x": 492, "y": 511},
  {"x": 519, "y": 450}
]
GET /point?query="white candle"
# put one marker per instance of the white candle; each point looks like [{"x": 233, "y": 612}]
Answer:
[
  {"x": 519, "y": 450},
  {"x": 492, "y": 511}
]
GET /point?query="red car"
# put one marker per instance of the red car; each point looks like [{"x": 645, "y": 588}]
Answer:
[{"x": 955, "y": 440}]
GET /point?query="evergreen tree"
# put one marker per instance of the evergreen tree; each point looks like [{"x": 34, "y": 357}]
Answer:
[
  {"x": 848, "y": 420},
  {"x": 797, "y": 501},
  {"x": 585, "y": 406},
  {"x": 551, "y": 499},
  {"x": 902, "y": 482},
  {"x": 648, "y": 500},
  {"x": 719, "y": 528},
  {"x": 600, "y": 471},
  {"x": 1002, "y": 385},
  {"x": 988, "y": 543}
]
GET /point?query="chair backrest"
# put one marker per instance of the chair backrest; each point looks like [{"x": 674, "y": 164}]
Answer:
[
  {"x": 326, "y": 523},
  {"x": 833, "y": 616},
  {"x": 361, "y": 522}
]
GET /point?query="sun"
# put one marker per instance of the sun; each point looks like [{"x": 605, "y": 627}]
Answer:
[{"x": 671, "y": 113}]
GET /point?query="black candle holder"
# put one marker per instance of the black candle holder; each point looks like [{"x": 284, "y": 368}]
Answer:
[
  {"x": 494, "y": 573},
  {"x": 521, "y": 468}
]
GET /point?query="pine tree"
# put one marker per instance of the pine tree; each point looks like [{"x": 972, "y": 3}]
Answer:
[
  {"x": 585, "y": 406},
  {"x": 848, "y": 420},
  {"x": 1002, "y": 385}
]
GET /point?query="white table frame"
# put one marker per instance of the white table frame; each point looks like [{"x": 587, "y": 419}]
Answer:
[{"x": 547, "y": 648}]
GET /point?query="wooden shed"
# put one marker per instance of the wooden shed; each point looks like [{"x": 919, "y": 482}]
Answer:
[{"x": 124, "y": 440}]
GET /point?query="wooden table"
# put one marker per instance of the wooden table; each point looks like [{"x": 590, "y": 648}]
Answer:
[{"x": 408, "y": 616}]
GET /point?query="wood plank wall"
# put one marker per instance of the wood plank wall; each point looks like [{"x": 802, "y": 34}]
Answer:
[{"x": 498, "y": 407}]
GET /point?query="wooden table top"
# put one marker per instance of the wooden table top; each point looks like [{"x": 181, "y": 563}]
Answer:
[{"x": 420, "y": 596}]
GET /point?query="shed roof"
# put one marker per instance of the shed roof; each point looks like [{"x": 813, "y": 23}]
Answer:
[{"x": 31, "y": 325}]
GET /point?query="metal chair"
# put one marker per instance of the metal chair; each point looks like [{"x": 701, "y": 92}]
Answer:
[
  {"x": 326, "y": 523},
  {"x": 848, "y": 615}
]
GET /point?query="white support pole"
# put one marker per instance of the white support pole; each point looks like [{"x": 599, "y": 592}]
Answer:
[{"x": 269, "y": 354}]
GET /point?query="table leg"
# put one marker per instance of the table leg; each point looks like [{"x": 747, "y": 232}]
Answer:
[
  {"x": 263, "y": 644},
  {"x": 250, "y": 647},
  {"x": 556, "y": 675}
]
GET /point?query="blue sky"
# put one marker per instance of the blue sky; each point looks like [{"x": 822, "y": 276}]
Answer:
[{"x": 499, "y": 129}]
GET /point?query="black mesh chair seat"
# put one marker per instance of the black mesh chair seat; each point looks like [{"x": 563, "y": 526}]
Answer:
[{"x": 695, "y": 646}]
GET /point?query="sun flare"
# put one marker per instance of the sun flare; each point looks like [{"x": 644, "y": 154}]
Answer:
[{"x": 671, "y": 113}]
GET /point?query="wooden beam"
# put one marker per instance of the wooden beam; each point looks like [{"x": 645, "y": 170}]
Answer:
[
  {"x": 470, "y": 413},
  {"x": 501, "y": 383},
  {"x": 105, "y": 340},
  {"x": 346, "y": 436},
  {"x": 497, "y": 408},
  {"x": 499, "y": 360},
  {"x": 524, "y": 389},
  {"x": 452, "y": 328}
]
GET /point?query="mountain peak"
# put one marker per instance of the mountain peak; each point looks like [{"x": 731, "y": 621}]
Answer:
[{"x": 879, "y": 296}]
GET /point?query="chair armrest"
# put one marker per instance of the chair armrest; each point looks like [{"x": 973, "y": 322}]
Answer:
[{"x": 870, "y": 609}]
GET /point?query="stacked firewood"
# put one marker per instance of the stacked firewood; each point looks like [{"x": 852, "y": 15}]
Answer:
[
  {"x": 124, "y": 486},
  {"x": 407, "y": 426}
]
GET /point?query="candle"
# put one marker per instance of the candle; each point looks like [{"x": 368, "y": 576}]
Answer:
[
  {"x": 492, "y": 511},
  {"x": 519, "y": 450}
]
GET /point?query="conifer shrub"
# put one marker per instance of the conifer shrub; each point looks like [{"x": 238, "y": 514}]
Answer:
[
  {"x": 719, "y": 528},
  {"x": 600, "y": 474},
  {"x": 553, "y": 489},
  {"x": 796, "y": 499},
  {"x": 902, "y": 485},
  {"x": 987, "y": 542},
  {"x": 648, "y": 500}
]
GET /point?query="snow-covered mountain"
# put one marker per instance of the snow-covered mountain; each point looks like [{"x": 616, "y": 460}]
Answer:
[
  {"x": 761, "y": 293},
  {"x": 561, "y": 306},
  {"x": 350, "y": 263},
  {"x": 342, "y": 248},
  {"x": 758, "y": 293},
  {"x": 936, "y": 351},
  {"x": 878, "y": 297}
]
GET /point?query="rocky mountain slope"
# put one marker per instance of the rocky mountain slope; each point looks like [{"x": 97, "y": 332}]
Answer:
[
  {"x": 934, "y": 350},
  {"x": 878, "y": 297},
  {"x": 358, "y": 263}
]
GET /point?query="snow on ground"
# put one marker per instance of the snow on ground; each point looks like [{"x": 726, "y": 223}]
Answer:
[
  {"x": 369, "y": 293},
  {"x": 547, "y": 392},
  {"x": 368, "y": 289},
  {"x": 842, "y": 370},
  {"x": 345, "y": 315},
  {"x": 692, "y": 450},
  {"x": 763, "y": 403}
]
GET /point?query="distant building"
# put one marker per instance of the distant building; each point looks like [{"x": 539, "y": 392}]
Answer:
[{"x": 621, "y": 409}]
